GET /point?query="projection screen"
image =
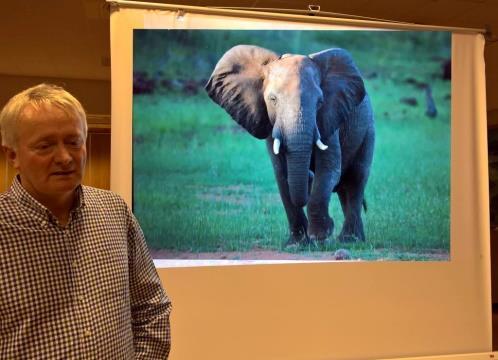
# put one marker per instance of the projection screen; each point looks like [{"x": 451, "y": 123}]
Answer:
[{"x": 339, "y": 309}]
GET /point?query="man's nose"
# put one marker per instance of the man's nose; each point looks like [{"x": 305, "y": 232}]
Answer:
[{"x": 62, "y": 155}]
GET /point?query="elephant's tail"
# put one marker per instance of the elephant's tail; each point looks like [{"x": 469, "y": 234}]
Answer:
[{"x": 365, "y": 205}]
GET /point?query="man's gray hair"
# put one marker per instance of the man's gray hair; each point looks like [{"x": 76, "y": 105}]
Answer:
[{"x": 35, "y": 97}]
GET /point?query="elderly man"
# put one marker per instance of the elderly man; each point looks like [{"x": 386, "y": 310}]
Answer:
[{"x": 76, "y": 278}]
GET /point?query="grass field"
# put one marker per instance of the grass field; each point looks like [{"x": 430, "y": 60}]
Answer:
[{"x": 202, "y": 184}]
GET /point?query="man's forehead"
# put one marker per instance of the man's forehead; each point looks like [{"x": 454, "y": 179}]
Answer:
[
  {"x": 32, "y": 111},
  {"x": 39, "y": 119}
]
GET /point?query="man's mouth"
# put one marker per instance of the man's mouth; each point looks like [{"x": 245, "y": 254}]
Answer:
[{"x": 63, "y": 173}]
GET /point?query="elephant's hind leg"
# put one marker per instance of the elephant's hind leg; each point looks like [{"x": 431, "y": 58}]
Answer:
[
  {"x": 351, "y": 201},
  {"x": 351, "y": 191}
]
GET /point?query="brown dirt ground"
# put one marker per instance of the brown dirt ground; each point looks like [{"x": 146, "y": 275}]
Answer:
[
  {"x": 246, "y": 255},
  {"x": 267, "y": 255}
]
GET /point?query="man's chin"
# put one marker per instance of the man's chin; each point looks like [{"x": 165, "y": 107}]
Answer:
[{"x": 65, "y": 183}]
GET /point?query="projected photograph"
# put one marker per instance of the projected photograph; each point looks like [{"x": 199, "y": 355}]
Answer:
[{"x": 286, "y": 145}]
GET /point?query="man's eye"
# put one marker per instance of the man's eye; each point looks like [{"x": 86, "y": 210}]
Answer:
[
  {"x": 74, "y": 143},
  {"x": 42, "y": 146}
]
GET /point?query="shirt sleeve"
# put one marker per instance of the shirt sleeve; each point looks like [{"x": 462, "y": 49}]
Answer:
[{"x": 150, "y": 306}]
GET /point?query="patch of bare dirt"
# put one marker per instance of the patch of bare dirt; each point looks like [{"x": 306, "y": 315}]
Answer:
[
  {"x": 340, "y": 254},
  {"x": 246, "y": 255}
]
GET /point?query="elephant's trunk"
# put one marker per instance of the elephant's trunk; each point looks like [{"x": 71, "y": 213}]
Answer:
[
  {"x": 299, "y": 136},
  {"x": 298, "y": 164}
]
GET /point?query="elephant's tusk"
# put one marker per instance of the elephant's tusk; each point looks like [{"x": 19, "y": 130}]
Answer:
[
  {"x": 321, "y": 145},
  {"x": 276, "y": 146}
]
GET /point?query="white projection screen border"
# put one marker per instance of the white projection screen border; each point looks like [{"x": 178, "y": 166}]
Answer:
[{"x": 332, "y": 310}]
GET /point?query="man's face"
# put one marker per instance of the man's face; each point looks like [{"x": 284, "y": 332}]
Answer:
[{"x": 51, "y": 152}]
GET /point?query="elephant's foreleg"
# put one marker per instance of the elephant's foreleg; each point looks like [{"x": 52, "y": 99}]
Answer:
[
  {"x": 327, "y": 175},
  {"x": 298, "y": 224}
]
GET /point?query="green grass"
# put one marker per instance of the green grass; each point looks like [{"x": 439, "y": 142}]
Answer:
[
  {"x": 208, "y": 185},
  {"x": 202, "y": 187}
]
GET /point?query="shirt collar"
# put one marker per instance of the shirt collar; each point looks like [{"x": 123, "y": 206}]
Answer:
[
  {"x": 80, "y": 198},
  {"x": 24, "y": 198}
]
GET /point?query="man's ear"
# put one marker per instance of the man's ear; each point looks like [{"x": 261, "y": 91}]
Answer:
[{"x": 11, "y": 156}]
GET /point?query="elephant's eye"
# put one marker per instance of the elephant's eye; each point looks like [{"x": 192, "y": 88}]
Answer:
[{"x": 273, "y": 99}]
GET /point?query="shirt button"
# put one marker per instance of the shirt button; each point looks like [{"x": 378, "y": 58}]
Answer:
[
  {"x": 87, "y": 333},
  {"x": 80, "y": 298}
]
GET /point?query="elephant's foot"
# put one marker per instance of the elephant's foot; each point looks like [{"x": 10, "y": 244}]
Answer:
[
  {"x": 298, "y": 237},
  {"x": 352, "y": 231},
  {"x": 349, "y": 238},
  {"x": 320, "y": 229}
]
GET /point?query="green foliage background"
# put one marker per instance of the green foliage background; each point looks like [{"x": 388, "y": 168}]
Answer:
[{"x": 201, "y": 183}]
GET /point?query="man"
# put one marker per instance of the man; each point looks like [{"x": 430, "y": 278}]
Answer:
[{"x": 76, "y": 278}]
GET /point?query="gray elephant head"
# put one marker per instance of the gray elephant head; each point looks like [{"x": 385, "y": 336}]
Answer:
[{"x": 300, "y": 101}]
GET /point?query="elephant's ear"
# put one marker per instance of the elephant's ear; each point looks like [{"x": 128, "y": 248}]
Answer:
[
  {"x": 342, "y": 85},
  {"x": 236, "y": 84}
]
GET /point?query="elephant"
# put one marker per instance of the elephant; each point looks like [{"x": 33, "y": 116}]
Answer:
[{"x": 317, "y": 120}]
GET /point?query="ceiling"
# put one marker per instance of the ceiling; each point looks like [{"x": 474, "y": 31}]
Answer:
[
  {"x": 468, "y": 13},
  {"x": 70, "y": 38}
]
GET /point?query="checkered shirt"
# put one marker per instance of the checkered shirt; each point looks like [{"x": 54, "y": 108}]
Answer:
[{"x": 88, "y": 290}]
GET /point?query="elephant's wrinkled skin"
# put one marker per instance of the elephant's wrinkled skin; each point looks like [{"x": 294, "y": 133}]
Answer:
[{"x": 317, "y": 120}]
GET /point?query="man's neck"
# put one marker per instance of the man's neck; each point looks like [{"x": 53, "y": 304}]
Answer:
[
  {"x": 62, "y": 211},
  {"x": 59, "y": 206}
]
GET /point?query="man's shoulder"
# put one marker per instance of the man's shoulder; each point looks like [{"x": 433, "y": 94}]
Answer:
[
  {"x": 6, "y": 200},
  {"x": 12, "y": 210},
  {"x": 102, "y": 198},
  {"x": 4, "y": 195}
]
